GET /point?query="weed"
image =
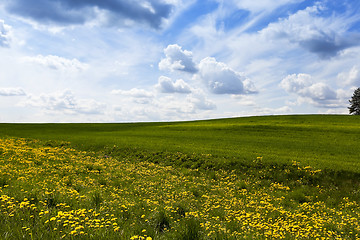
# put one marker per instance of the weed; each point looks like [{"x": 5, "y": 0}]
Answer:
[
  {"x": 51, "y": 201},
  {"x": 4, "y": 180},
  {"x": 96, "y": 199},
  {"x": 180, "y": 210},
  {"x": 191, "y": 229},
  {"x": 161, "y": 221}
]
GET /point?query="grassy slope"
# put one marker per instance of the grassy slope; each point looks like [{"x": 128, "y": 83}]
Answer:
[
  {"x": 324, "y": 141},
  {"x": 256, "y": 201},
  {"x": 61, "y": 193}
]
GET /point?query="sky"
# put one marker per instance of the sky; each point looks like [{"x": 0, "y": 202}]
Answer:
[{"x": 174, "y": 60}]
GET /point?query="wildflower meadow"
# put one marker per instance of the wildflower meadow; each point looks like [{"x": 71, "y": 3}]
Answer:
[
  {"x": 51, "y": 190},
  {"x": 61, "y": 193}
]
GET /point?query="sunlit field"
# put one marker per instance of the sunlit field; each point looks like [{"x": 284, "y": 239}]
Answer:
[{"x": 56, "y": 189}]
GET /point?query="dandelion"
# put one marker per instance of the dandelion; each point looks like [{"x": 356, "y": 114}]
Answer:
[{"x": 225, "y": 204}]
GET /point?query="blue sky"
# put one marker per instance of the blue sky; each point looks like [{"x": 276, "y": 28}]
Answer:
[{"x": 148, "y": 60}]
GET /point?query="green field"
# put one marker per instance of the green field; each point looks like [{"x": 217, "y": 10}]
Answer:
[
  {"x": 273, "y": 177},
  {"x": 324, "y": 141}
]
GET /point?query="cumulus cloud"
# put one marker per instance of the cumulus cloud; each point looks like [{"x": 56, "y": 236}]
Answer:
[
  {"x": 166, "y": 85},
  {"x": 192, "y": 103},
  {"x": 12, "y": 92},
  {"x": 134, "y": 92},
  {"x": 65, "y": 12},
  {"x": 4, "y": 34},
  {"x": 303, "y": 85},
  {"x": 221, "y": 79},
  {"x": 351, "y": 77},
  {"x": 296, "y": 82},
  {"x": 57, "y": 63},
  {"x": 319, "y": 91},
  {"x": 200, "y": 102},
  {"x": 177, "y": 59},
  {"x": 217, "y": 76},
  {"x": 64, "y": 102},
  {"x": 323, "y": 36}
]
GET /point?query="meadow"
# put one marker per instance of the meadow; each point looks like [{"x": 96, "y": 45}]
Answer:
[{"x": 275, "y": 177}]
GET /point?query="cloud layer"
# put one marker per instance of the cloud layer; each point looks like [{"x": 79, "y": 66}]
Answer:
[
  {"x": 325, "y": 37},
  {"x": 351, "y": 78},
  {"x": 65, "y": 102},
  {"x": 4, "y": 34},
  {"x": 116, "y": 12},
  {"x": 264, "y": 5},
  {"x": 134, "y": 92},
  {"x": 176, "y": 59},
  {"x": 57, "y": 63},
  {"x": 199, "y": 101},
  {"x": 12, "y": 92}
]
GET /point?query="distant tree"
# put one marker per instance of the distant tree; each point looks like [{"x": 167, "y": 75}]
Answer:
[{"x": 355, "y": 103}]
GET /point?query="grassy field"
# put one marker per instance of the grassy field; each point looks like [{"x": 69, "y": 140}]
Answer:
[
  {"x": 276, "y": 177},
  {"x": 319, "y": 140}
]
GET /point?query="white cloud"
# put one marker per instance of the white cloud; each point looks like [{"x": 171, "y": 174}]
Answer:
[
  {"x": 336, "y": 111},
  {"x": 280, "y": 110},
  {"x": 12, "y": 92},
  {"x": 167, "y": 108},
  {"x": 303, "y": 85},
  {"x": 200, "y": 102},
  {"x": 64, "y": 102},
  {"x": 319, "y": 92},
  {"x": 57, "y": 63},
  {"x": 345, "y": 93},
  {"x": 325, "y": 37},
  {"x": 288, "y": 45},
  {"x": 351, "y": 77},
  {"x": 264, "y": 5},
  {"x": 221, "y": 79},
  {"x": 244, "y": 100},
  {"x": 249, "y": 86},
  {"x": 134, "y": 92},
  {"x": 177, "y": 59},
  {"x": 4, "y": 34},
  {"x": 296, "y": 82},
  {"x": 166, "y": 85}
]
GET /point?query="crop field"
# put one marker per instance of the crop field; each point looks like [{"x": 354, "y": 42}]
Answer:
[{"x": 278, "y": 177}]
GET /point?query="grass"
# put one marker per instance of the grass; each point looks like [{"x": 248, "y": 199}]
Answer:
[
  {"x": 324, "y": 141},
  {"x": 279, "y": 177}
]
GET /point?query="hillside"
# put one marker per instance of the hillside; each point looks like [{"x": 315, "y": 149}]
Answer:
[
  {"x": 278, "y": 177},
  {"x": 324, "y": 141}
]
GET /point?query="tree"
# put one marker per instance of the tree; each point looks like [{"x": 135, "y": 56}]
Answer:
[{"x": 355, "y": 103}]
